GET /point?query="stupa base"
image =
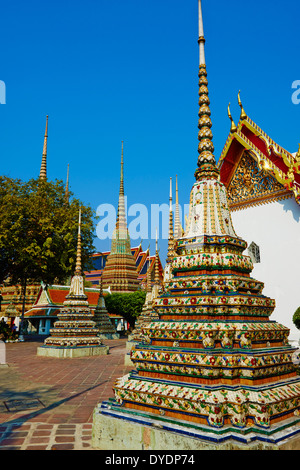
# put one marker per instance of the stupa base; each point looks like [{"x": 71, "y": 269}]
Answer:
[
  {"x": 130, "y": 344},
  {"x": 69, "y": 352},
  {"x": 116, "y": 428},
  {"x": 109, "y": 336}
]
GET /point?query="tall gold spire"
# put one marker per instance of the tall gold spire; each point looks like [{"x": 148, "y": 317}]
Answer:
[
  {"x": 178, "y": 227},
  {"x": 78, "y": 269},
  {"x": 206, "y": 160},
  {"x": 121, "y": 215},
  {"x": 171, "y": 231},
  {"x": 149, "y": 272},
  {"x": 43, "y": 171}
]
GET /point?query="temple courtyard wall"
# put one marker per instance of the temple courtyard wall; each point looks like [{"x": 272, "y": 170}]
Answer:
[{"x": 275, "y": 229}]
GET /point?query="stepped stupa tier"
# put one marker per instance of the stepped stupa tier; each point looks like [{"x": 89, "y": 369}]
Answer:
[
  {"x": 120, "y": 273},
  {"x": 214, "y": 368},
  {"x": 75, "y": 333}
]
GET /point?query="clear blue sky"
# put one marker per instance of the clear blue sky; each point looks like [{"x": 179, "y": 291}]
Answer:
[{"x": 113, "y": 70}]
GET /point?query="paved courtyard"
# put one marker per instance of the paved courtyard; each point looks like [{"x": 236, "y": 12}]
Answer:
[{"x": 48, "y": 403}]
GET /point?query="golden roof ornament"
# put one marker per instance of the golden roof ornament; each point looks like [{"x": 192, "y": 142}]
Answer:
[
  {"x": 243, "y": 114},
  {"x": 43, "y": 170},
  {"x": 233, "y": 125}
]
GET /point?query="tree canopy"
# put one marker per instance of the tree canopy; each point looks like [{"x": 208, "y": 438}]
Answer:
[
  {"x": 38, "y": 231},
  {"x": 128, "y": 305},
  {"x": 296, "y": 318}
]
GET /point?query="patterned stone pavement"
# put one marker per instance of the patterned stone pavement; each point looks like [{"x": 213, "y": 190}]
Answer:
[{"x": 48, "y": 403}]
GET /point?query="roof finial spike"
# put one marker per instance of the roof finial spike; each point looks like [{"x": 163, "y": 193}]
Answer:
[
  {"x": 43, "y": 170},
  {"x": 243, "y": 114},
  {"x": 78, "y": 270},
  {"x": 201, "y": 39},
  {"x": 233, "y": 126}
]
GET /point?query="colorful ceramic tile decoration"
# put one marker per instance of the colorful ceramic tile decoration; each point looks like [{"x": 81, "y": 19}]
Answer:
[
  {"x": 75, "y": 328},
  {"x": 120, "y": 273},
  {"x": 213, "y": 362},
  {"x": 102, "y": 319}
]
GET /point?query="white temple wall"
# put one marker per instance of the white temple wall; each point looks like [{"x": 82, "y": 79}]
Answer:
[{"x": 275, "y": 228}]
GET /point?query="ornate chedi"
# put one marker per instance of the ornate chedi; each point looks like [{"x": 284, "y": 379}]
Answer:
[
  {"x": 102, "y": 320},
  {"x": 217, "y": 372},
  {"x": 120, "y": 273},
  {"x": 148, "y": 313},
  {"x": 43, "y": 170},
  {"x": 75, "y": 333}
]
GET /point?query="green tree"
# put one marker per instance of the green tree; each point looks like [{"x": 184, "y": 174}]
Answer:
[
  {"x": 38, "y": 232},
  {"x": 129, "y": 305},
  {"x": 296, "y": 318}
]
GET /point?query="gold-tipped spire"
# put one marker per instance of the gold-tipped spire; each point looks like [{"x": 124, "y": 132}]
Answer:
[
  {"x": 243, "y": 114},
  {"x": 43, "y": 170},
  {"x": 171, "y": 229},
  {"x": 122, "y": 170},
  {"x": 156, "y": 275},
  {"x": 78, "y": 269},
  {"x": 178, "y": 231},
  {"x": 206, "y": 160},
  {"x": 149, "y": 272},
  {"x": 121, "y": 216},
  {"x": 101, "y": 286},
  {"x": 233, "y": 126}
]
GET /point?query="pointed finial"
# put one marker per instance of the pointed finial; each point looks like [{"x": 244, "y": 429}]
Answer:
[
  {"x": 243, "y": 114},
  {"x": 121, "y": 216},
  {"x": 207, "y": 168},
  {"x": 122, "y": 171},
  {"x": 201, "y": 39},
  {"x": 177, "y": 229},
  {"x": 78, "y": 270},
  {"x": 171, "y": 196},
  {"x": 171, "y": 233},
  {"x": 43, "y": 170},
  {"x": 233, "y": 126}
]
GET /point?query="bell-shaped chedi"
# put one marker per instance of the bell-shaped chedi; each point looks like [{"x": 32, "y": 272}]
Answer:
[
  {"x": 215, "y": 369},
  {"x": 120, "y": 273},
  {"x": 75, "y": 333}
]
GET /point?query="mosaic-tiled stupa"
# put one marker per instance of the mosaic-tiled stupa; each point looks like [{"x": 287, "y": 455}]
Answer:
[
  {"x": 216, "y": 371},
  {"x": 75, "y": 333},
  {"x": 120, "y": 273}
]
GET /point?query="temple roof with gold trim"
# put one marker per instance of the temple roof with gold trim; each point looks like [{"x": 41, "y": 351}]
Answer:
[{"x": 254, "y": 168}]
